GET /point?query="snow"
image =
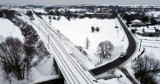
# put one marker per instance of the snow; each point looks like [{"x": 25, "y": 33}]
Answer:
[
  {"x": 44, "y": 71},
  {"x": 77, "y": 30},
  {"x": 39, "y": 10},
  {"x": 77, "y": 10},
  {"x": 9, "y": 29},
  {"x": 57, "y": 52},
  {"x": 117, "y": 79},
  {"x": 150, "y": 39},
  {"x": 153, "y": 13},
  {"x": 150, "y": 30},
  {"x": 151, "y": 45}
]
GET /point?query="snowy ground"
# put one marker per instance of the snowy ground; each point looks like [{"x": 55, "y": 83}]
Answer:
[
  {"x": 43, "y": 71},
  {"x": 8, "y": 29},
  {"x": 77, "y": 30},
  {"x": 151, "y": 45}
]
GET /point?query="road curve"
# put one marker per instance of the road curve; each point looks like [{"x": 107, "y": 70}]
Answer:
[{"x": 130, "y": 50}]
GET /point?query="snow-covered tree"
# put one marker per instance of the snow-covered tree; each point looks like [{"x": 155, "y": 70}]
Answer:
[
  {"x": 146, "y": 68},
  {"x": 105, "y": 48},
  {"x": 12, "y": 56}
]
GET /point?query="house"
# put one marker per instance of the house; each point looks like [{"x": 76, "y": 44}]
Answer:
[{"x": 148, "y": 32}]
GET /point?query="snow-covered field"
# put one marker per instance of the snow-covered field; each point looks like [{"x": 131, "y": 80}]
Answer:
[
  {"x": 78, "y": 30},
  {"x": 9, "y": 29}
]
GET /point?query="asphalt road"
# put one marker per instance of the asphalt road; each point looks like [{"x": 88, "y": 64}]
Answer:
[
  {"x": 130, "y": 50},
  {"x": 53, "y": 81}
]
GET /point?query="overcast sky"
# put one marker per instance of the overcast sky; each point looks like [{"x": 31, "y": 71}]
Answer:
[{"x": 78, "y": 2}]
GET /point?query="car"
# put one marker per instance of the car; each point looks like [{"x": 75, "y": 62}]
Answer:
[{"x": 123, "y": 54}]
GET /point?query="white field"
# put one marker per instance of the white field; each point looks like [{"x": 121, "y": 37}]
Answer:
[
  {"x": 77, "y": 30},
  {"x": 9, "y": 29}
]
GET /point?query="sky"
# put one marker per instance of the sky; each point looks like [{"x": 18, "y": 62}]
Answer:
[{"x": 79, "y": 2}]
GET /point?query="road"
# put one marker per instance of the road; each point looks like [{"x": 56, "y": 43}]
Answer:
[
  {"x": 130, "y": 50},
  {"x": 128, "y": 75},
  {"x": 53, "y": 81}
]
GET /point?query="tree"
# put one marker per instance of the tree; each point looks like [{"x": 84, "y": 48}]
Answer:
[
  {"x": 97, "y": 29},
  {"x": 29, "y": 51},
  {"x": 87, "y": 43},
  {"x": 105, "y": 48},
  {"x": 92, "y": 29},
  {"x": 17, "y": 57},
  {"x": 50, "y": 19},
  {"x": 12, "y": 57},
  {"x": 146, "y": 68}
]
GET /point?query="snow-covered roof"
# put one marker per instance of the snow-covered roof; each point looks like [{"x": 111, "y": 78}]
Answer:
[
  {"x": 137, "y": 21},
  {"x": 149, "y": 30},
  {"x": 153, "y": 13},
  {"x": 77, "y": 9},
  {"x": 130, "y": 13},
  {"x": 40, "y": 10}
]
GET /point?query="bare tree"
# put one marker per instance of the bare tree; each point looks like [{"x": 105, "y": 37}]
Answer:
[
  {"x": 105, "y": 48},
  {"x": 146, "y": 68},
  {"x": 12, "y": 57},
  {"x": 30, "y": 52},
  {"x": 87, "y": 43}
]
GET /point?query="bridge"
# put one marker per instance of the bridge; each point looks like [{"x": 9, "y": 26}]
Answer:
[{"x": 72, "y": 72}]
